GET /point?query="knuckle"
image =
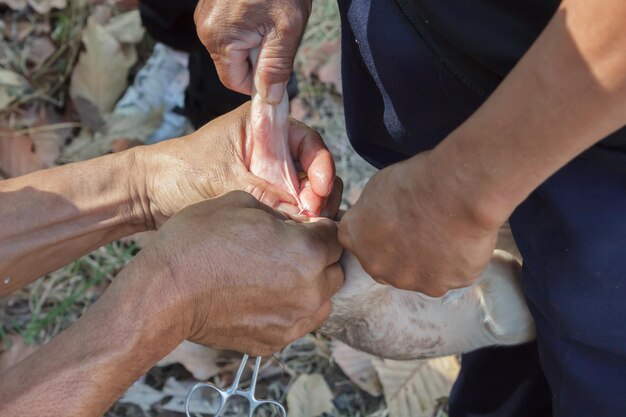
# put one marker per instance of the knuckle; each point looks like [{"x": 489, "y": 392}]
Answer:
[
  {"x": 291, "y": 21},
  {"x": 312, "y": 303},
  {"x": 208, "y": 34}
]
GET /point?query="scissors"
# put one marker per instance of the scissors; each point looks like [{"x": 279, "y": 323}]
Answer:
[{"x": 235, "y": 391}]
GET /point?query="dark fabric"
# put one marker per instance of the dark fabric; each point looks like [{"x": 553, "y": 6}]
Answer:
[
  {"x": 572, "y": 234},
  {"x": 404, "y": 91},
  {"x": 172, "y": 23},
  {"x": 399, "y": 98},
  {"x": 484, "y": 38},
  {"x": 504, "y": 390},
  {"x": 206, "y": 97},
  {"x": 390, "y": 58}
]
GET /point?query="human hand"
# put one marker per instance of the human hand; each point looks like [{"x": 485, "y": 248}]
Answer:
[
  {"x": 231, "y": 29},
  {"x": 214, "y": 161},
  {"x": 413, "y": 230},
  {"x": 242, "y": 278}
]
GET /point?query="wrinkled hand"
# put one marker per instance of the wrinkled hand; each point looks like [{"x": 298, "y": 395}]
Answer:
[
  {"x": 231, "y": 28},
  {"x": 242, "y": 277},
  {"x": 212, "y": 162},
  {"x": 411, "y": 230}
]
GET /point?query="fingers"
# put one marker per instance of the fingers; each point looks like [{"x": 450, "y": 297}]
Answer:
[
  {"x": 334, "y": 200},
  {"x": 270, "y": 194},
  {"x": 235, "y": 71},
  {"x": 240, "y": 199},
  {"x": 229, "y": 33},
  {"x": 309, "y": 199},
  {"x": 277, "y": 55},
  {"x": 307, "y": 147},
  {"x": 230, "y": 30}
]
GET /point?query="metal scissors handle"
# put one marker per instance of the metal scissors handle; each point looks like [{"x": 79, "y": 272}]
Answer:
[{"x": 235, "y": 390}]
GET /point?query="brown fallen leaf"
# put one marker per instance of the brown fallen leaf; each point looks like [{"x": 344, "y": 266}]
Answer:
[
  {"x": 49, "y": 135},
  {"x": 412, "y": 388},
  {"x": 197, "y": 359},
  {"x": 18, "y": 351},
  {"x": 357, "y": 366},
  {"x": 102, "y": 13},
  {"x": 44, "y": 6},
  {"x": 126, "y": 28},
  {"x": 310, "y": 396},
  {"x": 37, "y": 51},
  {"x": 12, "y": 86},
  {"x": 101, "y": 75},
  {"x": 17, "y": 155},
  {"x": 15, "y": 4}
]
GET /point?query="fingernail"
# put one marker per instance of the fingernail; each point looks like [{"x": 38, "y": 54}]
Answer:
[{"x": 276, "y": 92}]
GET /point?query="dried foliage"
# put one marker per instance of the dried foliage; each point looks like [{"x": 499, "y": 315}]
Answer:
[{"x": 63, "y": 66}]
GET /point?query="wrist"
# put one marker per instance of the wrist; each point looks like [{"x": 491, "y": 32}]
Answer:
[
  {"x": 137, "y": 185},
  {"x": 143, "y": 291},
  {"x": 467, "y": 190}
]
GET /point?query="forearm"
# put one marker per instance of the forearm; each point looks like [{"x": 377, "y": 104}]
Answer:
[
  {"x": 52, "y": 217},
  {"x": 567, "y": 93},
  {"x": 83, "y": 370}
]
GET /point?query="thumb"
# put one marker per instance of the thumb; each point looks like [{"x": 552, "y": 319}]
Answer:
[
  {"x": 274, "y": 66},
  {"x": 268, "y": 193}
]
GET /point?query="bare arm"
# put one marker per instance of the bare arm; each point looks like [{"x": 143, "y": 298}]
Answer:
[
  {"x": 52, "y": 217},
  {"x": 565, "y": 94},
  {"x": 84, "y": 369},
  {"x": 206, "y": 277}
]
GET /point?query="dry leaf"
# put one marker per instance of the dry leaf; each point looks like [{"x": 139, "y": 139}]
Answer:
[
  {"x": 44, "y": 6},
  {"x": 197, "y": 359},
  {"x": 100, "y": 76},
  {"x": 358, "y": 367},
  {"x": 412, "y": 388},
  {"x": 309, "y": 396},
  {"x": 90, "y": 145},
  {"x": 81, "y": 145},
  {"x": 47, "y": 138},
  {"x": 9, "y": 78},
  {"x": 17, "y": 156},
  {"x": 15, "y": 4},
  {"x": 12, "y": 86},
  {"x": 126, "y": 28},
  {"x": 37, "y": 51},
  {"x": 19, "y": 350},
  {"x": 5, "y": 98},
  {"x": 102, "y": 14},
  {"x": 142, "y": 395},
  {"x": 199, "y": 403}
]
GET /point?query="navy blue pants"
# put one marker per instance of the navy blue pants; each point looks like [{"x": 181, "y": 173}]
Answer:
[{"x": 401, "y": 98}]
